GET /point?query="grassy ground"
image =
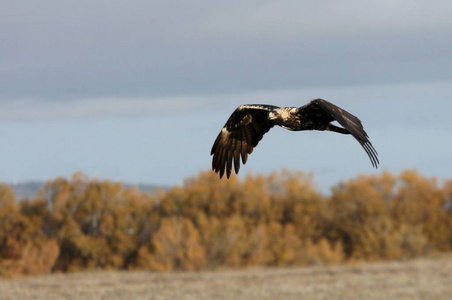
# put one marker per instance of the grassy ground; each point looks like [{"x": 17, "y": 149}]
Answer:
[{"x": 418, "y": 279}]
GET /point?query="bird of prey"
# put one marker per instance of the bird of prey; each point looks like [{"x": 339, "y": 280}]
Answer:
[{"x": 248, "y": 124}]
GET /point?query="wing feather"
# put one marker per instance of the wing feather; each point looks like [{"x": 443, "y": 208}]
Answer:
[
  {"x": 244, "y": 152},
  {"x": 237, "y": 151},
  {"x": 242, "y": 132},
  {"x": 350, "y": 123}
]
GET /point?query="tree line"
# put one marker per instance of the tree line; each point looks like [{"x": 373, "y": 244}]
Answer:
[{"x": 276, "y": 220}]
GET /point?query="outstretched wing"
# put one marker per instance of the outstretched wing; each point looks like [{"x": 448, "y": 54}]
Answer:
[
  {"x": 329, "y": 112},
  {"x": 241, "y": 133}
]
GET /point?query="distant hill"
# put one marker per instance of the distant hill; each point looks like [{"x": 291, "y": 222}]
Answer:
[{"x": 29, "y": 189}]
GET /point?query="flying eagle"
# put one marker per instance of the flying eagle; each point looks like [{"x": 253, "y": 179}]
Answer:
[{"x": 248, "y": 124}]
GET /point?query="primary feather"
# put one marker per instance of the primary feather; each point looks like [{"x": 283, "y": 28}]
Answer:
[{"x": 248, "y": 124}]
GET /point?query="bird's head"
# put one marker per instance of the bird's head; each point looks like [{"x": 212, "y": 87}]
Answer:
[
  {"x": 280, "y": 113},
  {"x": 272, "y": 115}
]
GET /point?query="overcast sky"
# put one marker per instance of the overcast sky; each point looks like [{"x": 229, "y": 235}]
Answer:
[{"x": 83, "y": 74}]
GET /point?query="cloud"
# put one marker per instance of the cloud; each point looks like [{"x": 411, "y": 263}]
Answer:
[
  {"x": 282, "y": 20},
  {"x": 89, "y": 49},
  {"x": 203, "y": 21},
  {"x": 30, "y": 109},
  {"x": 111, "y": 107}
]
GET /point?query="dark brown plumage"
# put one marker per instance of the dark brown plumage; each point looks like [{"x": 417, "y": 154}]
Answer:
[{"x": 248, "y": 124}]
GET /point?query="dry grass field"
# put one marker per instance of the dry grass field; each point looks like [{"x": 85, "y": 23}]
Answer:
[{"x": 417, "y": 279}]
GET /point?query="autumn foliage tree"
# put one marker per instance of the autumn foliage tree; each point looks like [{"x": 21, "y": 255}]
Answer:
[
  {"x": 24, "y": 246},
  {"x": 275, "y": 220}
]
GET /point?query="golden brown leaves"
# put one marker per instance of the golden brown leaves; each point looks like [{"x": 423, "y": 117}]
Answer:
[{"x": 275, "y": 220}]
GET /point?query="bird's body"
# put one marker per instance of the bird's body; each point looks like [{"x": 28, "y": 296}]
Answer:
[{"x": 248, "y": 124}]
